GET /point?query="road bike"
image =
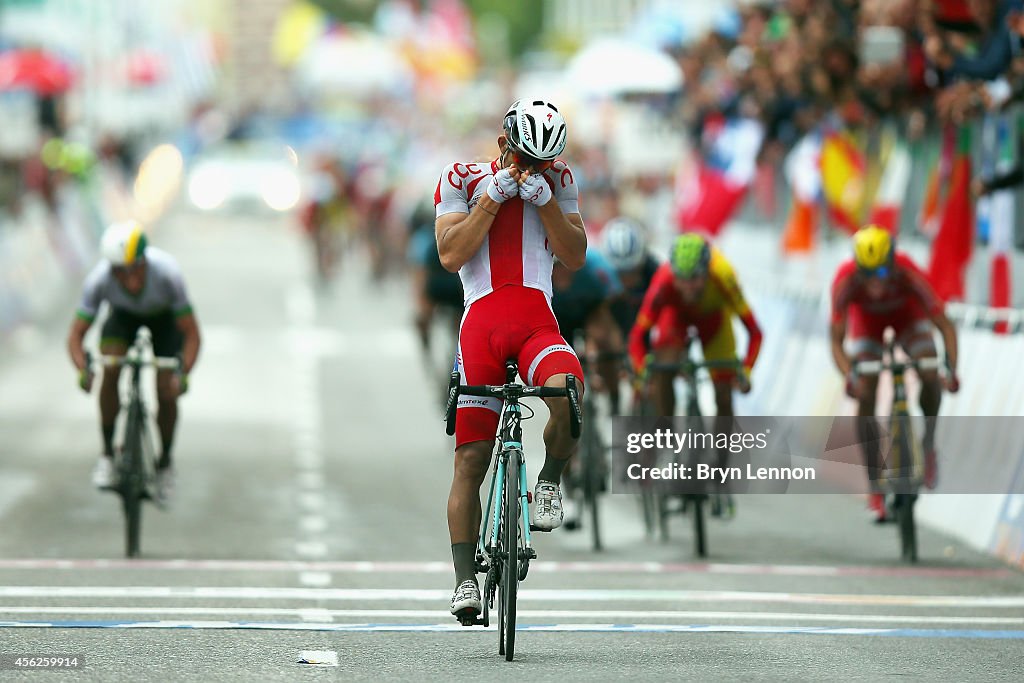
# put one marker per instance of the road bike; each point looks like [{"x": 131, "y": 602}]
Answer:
[
  {"x": 902, "y": 476},
  {"x": 504, "y": 546},
  {"x": 135, "y": 458},
  {"x": 657, "y": 505}
]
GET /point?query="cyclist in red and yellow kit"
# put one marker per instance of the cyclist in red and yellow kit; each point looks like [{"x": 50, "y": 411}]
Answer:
[
  {"x": 698, "y": 288},
  {"x": 881, "y": 288}
]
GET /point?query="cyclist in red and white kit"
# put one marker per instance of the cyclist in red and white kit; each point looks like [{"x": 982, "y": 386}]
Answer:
[{"x": 501, "y": 225}]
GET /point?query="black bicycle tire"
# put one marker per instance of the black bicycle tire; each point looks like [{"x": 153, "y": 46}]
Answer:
[
  {"x": 592, "y": 483},
  {"x": 663, "y": 506},
  {"x": 131, "y": 485},
  {"x": 908, "y": 528},
  {"x": 485, "y": 606},
  {"x": 699, "y": 526},
  {"x": 510, "y": 533}
]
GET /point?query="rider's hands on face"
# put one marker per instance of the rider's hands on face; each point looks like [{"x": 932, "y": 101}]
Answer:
[
  {"x": 535, "y": 189},
  {"x": 504, "y": 185}
]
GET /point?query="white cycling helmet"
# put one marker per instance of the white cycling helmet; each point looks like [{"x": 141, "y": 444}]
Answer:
[
  {"x": 623, "y": 243},
  {"x": 535, "y": 128},
  {"x": 124, "y": 243}
]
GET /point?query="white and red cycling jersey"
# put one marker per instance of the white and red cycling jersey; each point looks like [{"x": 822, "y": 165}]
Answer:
[
  {"x": 507, "y": 286},
  {"x": 516, "y": 249}
]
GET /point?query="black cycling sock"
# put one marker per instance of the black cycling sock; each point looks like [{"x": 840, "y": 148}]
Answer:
[
  {"x": 552, "y": 470},
  {"x": 464, "y": 556},
  {"x": 108, "y": 440}
]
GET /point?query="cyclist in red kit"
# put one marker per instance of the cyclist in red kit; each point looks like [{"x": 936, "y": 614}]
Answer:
[
  {"x": 501, "y": 225},
  {"x": 881, "y": 288}
]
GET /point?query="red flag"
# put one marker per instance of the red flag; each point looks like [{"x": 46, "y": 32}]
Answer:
[
  {"x": 951, "y": 249},
  {"x": 714, "y": 202}
]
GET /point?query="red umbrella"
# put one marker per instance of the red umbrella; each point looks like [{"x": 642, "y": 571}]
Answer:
[{"x": 36, "y": 70}]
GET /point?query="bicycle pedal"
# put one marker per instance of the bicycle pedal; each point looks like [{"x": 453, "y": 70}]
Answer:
[{"x": 469, "y": 617}]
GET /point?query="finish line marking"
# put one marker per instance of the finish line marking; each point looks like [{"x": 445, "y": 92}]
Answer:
[
  {"x": 546, "y": 595},
  {"x": 327, "y": 615},
  {"x": 538, "y": 566},
  {"x": 565, "y": 628}
]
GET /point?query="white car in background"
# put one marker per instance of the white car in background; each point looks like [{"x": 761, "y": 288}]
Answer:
[{"x": 261, "y": 175}]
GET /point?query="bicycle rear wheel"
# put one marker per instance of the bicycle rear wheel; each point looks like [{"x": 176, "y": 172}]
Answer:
[{"x": 510, "y": 539}]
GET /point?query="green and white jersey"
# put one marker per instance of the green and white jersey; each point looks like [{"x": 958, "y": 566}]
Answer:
[{"x": 163, "y": 291}]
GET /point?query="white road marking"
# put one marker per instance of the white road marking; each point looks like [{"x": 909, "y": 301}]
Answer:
[
  {"x": 311, "y": 548},
  {"x": 326, "y": 615},
  {"x": 449, "y": 627},
  {"x": 316, "y": 616},
  {"x": 315, "y": 500},
  {"x": 313, "y": 524},
  {"x": 316, "y": 579},
  {"x": 543, "y": 595},
  {"x": 312, "y": 501}
]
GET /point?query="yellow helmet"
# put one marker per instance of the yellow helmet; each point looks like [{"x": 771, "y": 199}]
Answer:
[{"x": 872, "y": 247}]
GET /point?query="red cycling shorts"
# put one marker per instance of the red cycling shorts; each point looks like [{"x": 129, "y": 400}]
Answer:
[
  {"x": 909, "y": 322},
  {"x": 512, "y": 322}
]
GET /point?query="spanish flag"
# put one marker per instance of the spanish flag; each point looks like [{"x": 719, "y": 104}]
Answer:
[{"x": 843, "y": 179}]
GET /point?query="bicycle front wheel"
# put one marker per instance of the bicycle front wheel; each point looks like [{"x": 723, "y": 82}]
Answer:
[
  {"x": 592, "y": 476},
  {"x": 908, "y": 529},
  {"x": 510, "y": 541},
  {"x": 132, "y": 482},
  {"x": 699, "y": 526}
]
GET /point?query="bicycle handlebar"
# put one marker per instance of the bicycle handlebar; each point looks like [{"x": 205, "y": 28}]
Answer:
[
  {"x": 695, "y": 365},
  {"x": 513, "y": 391},
  {"x": 876, "y": 367},
  {"x": 158, "y": 362}
]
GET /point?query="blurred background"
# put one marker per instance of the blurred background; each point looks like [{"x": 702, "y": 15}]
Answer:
[
  {"x": 792, "y": 122},
  {"x": 251, "y": 134}
]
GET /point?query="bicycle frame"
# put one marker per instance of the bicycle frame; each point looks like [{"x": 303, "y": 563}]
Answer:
[
  {"x": 136, "y": 462},
  {"x": 907, "y": 450},
  {"x": 511, "y": 439},
  {"x": 504, "y": 551}
]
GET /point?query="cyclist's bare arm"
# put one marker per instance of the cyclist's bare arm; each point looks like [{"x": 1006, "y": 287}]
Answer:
[
  {"x": 460, "y": 235},
  {"x": 566, "y": 235},
  {"x": 189, "y": 328},
  {"x": 837, "y": 332},
  {"x": 76, "y": 337},
  {"x": 949, "y": 342}
]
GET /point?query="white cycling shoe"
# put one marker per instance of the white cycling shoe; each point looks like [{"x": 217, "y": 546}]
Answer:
[
  {"x": 547, "y": 506},
  {"x": 164, "y": 486},
  {"x": 104, "y": 476},
  {"x": 466, "y": 597}
]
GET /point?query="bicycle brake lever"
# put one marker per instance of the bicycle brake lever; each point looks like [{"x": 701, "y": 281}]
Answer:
[
  {"x": 576, "y": 414},
  {"x": 451, "y": 407}
]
